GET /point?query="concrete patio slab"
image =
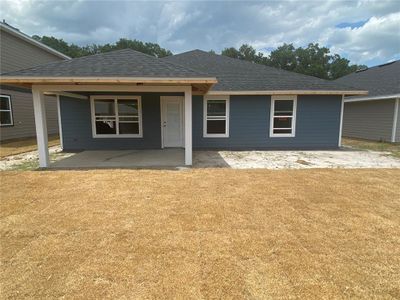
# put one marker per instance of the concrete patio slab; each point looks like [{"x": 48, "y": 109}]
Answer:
[{"x": 123, "y": 159}]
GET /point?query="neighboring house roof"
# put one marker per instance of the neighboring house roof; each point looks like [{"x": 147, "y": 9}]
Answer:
[
  {"x": 239, "y": 75},
  {"x": 382, "y": 82},
  {"x": 124, "y": 63},
  {"x": 15, "y": 32}
]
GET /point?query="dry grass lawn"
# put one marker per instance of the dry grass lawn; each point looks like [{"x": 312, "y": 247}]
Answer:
[
  {"x": 19, "y": 146},
  {"x": 204, "y": 234},
  {"x": 393, "y": 148}
]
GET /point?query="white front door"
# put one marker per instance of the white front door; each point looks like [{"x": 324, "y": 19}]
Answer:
[{"x": 172, "y": 121}]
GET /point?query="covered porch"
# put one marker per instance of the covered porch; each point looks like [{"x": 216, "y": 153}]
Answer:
[
  {"x": 111, "y": 142},
  {"x": 125, "y": 75}
]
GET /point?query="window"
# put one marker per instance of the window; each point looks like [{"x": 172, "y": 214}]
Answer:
[
  {"x": 6, "y": 117},
  {"x": 116, "y": 116},
  {"x": 216, "y": 116},
  {"x": 283, "y": 116}
]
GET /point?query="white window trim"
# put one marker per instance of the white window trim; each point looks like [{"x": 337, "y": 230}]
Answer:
[
  {"x": 272, "y": 111},
  {"x": 8, "y": 110},
  {"x": 115, "y": 97},
  {"x": 216, "y": 135}
]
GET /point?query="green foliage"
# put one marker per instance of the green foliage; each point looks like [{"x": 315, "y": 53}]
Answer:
[
  {"x": 245, "y": 52},
  {"x": 73, "y": 50},
  {"x": 312, "y": 60}
]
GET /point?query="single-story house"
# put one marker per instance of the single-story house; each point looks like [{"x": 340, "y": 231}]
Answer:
[
  {"x": 20, "y": 51},
  {"x": 376, "y": 116},
  {"x": 129, "y": 100}
]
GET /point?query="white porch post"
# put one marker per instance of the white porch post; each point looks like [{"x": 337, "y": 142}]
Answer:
[
  {"x": 188, "y": 126},
  {"x": 341, "y": 122},
  {"x": 395, "y": 117},
  {"x": 41, "y": 127},
  {"x": 59, "y": 122}
]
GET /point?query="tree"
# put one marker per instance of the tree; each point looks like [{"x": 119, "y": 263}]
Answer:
[
  {"x": 231, "y": 52},
  {"x": 73, "y": 50},
  {"x": 245, "y": 52},
  {"x": 284, "y": 57},
  {"x": 60, "y": 45},
  {"x": 340, "y": 66},
  {"x": 312, "y": 60}
]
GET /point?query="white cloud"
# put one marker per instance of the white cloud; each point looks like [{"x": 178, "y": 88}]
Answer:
[
  {"x": 377, "y": 39},
  {"x": 185, "y": 25}
]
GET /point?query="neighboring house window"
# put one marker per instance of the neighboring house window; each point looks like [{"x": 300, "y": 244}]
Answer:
[
  {"x": 6, "y": 117},
  {"x": 216, "y": 116},
  {"x": 283, "y": 116},
  {"x": 116, "y": 116}
]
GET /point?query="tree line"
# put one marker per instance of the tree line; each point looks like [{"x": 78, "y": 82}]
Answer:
[{"x": 312, "y": 60}]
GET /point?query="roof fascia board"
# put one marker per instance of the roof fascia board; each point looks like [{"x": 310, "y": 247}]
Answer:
[
  {"x": 38, "y": 80},
  {"x": 373, "y": 98},
  {"x": 289, "y": 92},
  {"x": 32, "y": 41}
]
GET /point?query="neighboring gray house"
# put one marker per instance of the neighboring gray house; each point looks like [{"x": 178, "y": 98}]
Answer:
[
  {"x": 195, "y": 100},
  {"x": 376, "y": 116},
  {"x": 19, "y": 51}
]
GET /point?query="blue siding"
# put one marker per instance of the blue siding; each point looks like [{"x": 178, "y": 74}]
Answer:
[
  {"x": 77, "y": 126},
  {"x": 317, "y": 124}
]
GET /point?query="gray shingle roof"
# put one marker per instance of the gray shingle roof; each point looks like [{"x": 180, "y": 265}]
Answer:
[
  {"x": 238, "y": 75},
  {"x": 381, "y": 80},
  {"x": 120, "y": 63}
]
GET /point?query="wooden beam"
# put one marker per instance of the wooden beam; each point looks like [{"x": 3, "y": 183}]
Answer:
[
  {"x": 109, "y": 88},
  {"x": 101, "y": 80}
]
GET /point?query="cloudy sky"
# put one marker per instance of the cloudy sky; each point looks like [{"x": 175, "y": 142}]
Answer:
[{"x": 364, "y": 31}]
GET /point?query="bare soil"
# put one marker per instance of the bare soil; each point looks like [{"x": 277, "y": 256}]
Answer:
[
  {"x": 13, "y": 147},
  {"x": 201, "y": 233}
]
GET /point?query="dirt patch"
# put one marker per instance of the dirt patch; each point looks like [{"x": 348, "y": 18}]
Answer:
[
  {"x": 210, "y": 233},
  {"x": 295, "y": 159},
  {"x": 14, "y": 147},
  {"x": 30, "y": 160},
  {"x": 392, "y": 149}
]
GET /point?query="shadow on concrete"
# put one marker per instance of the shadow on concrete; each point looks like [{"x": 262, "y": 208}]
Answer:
[
  {"x": 209, "y": 159},
  {"x": 127, "y": 159}
]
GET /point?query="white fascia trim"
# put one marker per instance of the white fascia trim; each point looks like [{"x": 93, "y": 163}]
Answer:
[
  {"x": 32, "y": 41},
  {"x": 227, "y": 114},
  {"x": 271, "y": 116},
  {"x": 59, "y": 122},
  {"x": 395, "y": 117},
  {"x": 372, "y": 98},
  {"x": 341, "y": 122},
  {"x": 115, "y": 97},
  {"x": 289, "y": 92}
]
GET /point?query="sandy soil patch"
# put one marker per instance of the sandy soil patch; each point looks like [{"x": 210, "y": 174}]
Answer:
[
  {"x": 200, "y": 234},
  {"x": 14, "y": 147},
  {"x": 30, "y": 160},
  {"x": 295, "y": 159}
]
